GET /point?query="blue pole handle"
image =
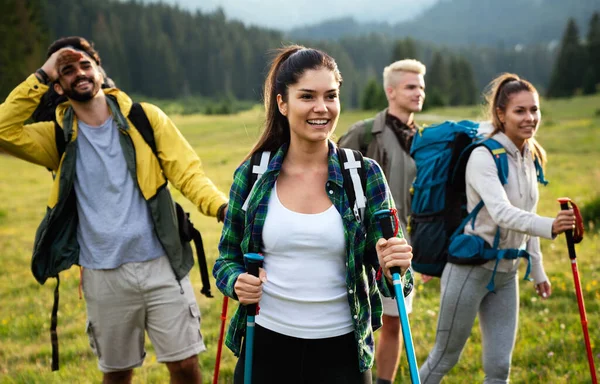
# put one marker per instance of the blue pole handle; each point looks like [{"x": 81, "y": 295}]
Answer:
[
  {"x": 385, "y": 218},
  {"x": 253, "y": 263}
]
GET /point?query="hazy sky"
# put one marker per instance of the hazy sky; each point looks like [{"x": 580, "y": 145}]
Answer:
[{"x": 286, "y": 14}]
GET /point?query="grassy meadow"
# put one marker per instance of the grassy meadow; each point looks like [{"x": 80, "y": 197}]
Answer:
[{"x": 549, "y": 348}]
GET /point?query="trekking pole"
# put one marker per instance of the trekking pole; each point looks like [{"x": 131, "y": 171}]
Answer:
[
  {"x": 571, "y": 240},
  {"x": 389, "y": 230},
  {"x": 221, "y": 336},
  {"x": 253, "y": 262}
]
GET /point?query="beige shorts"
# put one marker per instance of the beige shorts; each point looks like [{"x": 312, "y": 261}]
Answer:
[
  {"x": 390, "y": 308},
  {"x": 124, "y": 303}
]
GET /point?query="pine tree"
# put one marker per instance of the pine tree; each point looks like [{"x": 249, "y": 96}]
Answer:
[
  {"x": 592, "y": 74},
  {"x": 456, "y": 92},
  {"x": 373, "y": 96},
  {"x": 437, "y": 81},
  {"x": 468, "y": 80},
  {"x": 570, "y": 64},
  {"x": 23, "y": 41},
  {"x": 589, "y": 81},
  {"x": 462, "y": 89},
  {"x": 404, "y": 49}
]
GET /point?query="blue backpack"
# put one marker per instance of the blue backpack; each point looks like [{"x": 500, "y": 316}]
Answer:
[{"x": 439, "y": 212}]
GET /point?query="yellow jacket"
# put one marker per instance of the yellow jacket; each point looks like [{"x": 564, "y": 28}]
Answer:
[
  {"x": 56, "y": 247},
  {"x": 179, "y": 163}
]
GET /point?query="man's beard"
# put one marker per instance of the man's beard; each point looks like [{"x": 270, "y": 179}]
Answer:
[{"x": 81, "y": 97}]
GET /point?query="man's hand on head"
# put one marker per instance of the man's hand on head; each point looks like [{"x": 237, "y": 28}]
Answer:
[{"x": 60, "y": 58}]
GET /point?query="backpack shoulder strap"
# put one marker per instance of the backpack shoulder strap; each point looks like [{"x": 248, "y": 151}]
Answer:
[
  {"x": 259, "y": 162},
  {"x": 539, "y": 170},
  {"x": 500, "y": 158},
  {"x": 187, "y": 231},
  {"x": 136, "y": 115},
  {"x": 368, "y": 135},
  {"x": 53, "y": 325},
  {"x": 142, "y": 124},
  {"x": 59, "y": 138},
  {"x": 355, "y": 176}
]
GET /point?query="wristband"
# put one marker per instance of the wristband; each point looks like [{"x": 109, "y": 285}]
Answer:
[
  {"x": 43, "y": 76},
  {"x": 221, "y": 213}
]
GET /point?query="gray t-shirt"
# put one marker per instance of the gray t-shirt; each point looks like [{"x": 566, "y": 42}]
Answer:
[{"x": 115, "y": 226}]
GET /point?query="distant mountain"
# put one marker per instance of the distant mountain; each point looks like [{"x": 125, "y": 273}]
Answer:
[
  {"x": 466, "y": 22},
  {"x": 287, "y": 14},
  {"x": 335, "y": 29}
]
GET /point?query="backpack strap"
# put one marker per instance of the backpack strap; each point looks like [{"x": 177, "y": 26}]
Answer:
[
  {"x": 187, "y": 231},
  {"x": 539, "y": 170},
  {"x": 59, "y": 138},
  {"x": 61, "y": 145},
  {"x": 199, "y": 244},
  {"x": 142, "y": 124},
  {"x": 259, "y": 162},
  {"x": 500, "y": 158},
  {"x": 53, "y": 325},
  {"x": 368, "y": 135},
  {"x": 353, "y": 172}
]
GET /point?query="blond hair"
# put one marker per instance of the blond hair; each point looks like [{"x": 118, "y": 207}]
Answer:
[{"x": 407, "y": 65}]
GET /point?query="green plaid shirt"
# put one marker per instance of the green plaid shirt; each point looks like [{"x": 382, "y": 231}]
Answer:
[{"x": 242, "y": 233}]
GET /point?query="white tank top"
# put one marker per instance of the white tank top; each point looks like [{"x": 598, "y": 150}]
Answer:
[{"x": 305, "y": 295}]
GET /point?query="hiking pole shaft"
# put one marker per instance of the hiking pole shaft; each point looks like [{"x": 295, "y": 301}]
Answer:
[
  {"x": 221, "y": 336},
  {"x": 579, "y": 292},
  {"x": 584, "y": 321},
  {"x": 253, "y": 262},
  {"x": 385, "y": 222}
]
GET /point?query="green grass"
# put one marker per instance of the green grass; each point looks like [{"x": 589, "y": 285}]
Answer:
[{"x": 549, "y": 347}]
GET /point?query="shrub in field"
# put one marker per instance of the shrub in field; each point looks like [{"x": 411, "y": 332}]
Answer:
[{"x": 590, "y": 214}]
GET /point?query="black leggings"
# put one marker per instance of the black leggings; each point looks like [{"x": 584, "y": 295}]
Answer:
[{"x": 283, "y": 359}]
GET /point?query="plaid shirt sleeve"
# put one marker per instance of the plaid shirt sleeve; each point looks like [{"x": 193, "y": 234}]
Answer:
[{"x": 230, "y": 263}]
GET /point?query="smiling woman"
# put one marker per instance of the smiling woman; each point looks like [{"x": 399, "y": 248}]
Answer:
[
  {"x": 312, "y": 106},
  {"x": 306, "y": 76},
  {"x": 320, "y": 302},
  {"x": 507, "y": 222}
]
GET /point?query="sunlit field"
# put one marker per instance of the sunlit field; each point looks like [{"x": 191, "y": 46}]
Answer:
[{"x": 549, "y": 348}]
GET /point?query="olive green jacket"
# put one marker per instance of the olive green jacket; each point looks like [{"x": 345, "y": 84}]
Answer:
[{"x": 397, "y": 165}]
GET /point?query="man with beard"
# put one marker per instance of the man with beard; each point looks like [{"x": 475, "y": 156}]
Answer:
[
  {"x": 110, "y": 212},
  {"x": 387, "y": 139}
]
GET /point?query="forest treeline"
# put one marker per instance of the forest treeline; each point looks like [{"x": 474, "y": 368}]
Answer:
[{"x": 166, "y": 52}]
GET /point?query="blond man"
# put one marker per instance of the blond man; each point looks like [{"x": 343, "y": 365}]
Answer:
[{"x": 387, "y": 138}]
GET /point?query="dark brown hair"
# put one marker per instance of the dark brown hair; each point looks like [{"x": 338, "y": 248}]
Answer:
[
  {"x": 76, "y": 42},
  {"x": 46, "y": 109},
  {"x": 498, "y": 95},
  {"x": 287, "y": 67}
]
